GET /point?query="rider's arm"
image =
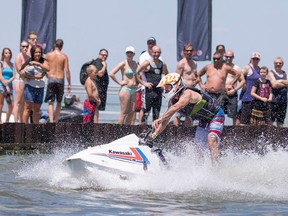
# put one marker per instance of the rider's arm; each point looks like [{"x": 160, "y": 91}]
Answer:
[{"x": 161, "y": 123}]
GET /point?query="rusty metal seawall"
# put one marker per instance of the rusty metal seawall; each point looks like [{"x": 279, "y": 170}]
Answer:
[{"x": 46, "y": 137}]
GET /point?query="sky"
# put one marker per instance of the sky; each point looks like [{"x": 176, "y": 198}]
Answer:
[{"x": 243, "y": 26}]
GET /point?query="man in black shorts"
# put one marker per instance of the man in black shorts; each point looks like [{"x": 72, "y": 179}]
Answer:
[{"x": 58, "y": 62}]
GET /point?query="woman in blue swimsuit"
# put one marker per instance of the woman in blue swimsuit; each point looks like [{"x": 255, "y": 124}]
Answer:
[
  {"x": 6, "y": 78},
  {"x": 128, "y": 68}
]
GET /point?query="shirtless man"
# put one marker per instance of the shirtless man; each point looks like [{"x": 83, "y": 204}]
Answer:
[
  {"x": 216, "y": 75},
  {"x": 58, "y": 62},
  {"x": 187, "y": 68},
  {"x": 230, "y": 99}
]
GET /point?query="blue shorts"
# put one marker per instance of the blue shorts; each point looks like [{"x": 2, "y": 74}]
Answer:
[{"x": 33, "y": 95}]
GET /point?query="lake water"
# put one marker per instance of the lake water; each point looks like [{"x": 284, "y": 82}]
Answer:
[{"x": 241, "y": 184}]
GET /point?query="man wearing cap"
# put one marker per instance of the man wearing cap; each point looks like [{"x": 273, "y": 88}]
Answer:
[
  {"x": 153, "y": 69},
  {"x": 146, "y": 55},
  {"x": 251, "y": 73}
]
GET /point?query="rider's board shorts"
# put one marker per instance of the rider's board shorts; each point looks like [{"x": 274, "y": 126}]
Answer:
[{"x": 213, "y": 129}]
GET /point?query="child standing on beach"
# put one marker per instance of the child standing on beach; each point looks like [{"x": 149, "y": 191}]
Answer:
[
  {"x": 262, "y": 92},
  {"x": 91, "y": 112}
]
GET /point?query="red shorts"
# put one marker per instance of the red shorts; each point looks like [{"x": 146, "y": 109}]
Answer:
[
  {"x": 138, "y": 101},
  {"x": 89, "y": 111}
]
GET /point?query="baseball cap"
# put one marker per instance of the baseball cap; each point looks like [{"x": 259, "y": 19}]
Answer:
[
  {"x": 151, "y": 39},
  {"x": 255, "y": 55},
  {"x": 130, "y": 49}
]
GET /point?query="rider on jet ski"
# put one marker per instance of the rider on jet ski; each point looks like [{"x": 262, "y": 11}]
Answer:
[{"x": 194, "y": 103}]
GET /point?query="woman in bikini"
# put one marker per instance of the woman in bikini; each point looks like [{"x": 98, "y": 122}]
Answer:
[
  {"x": 18, "y": 83},
  {"x": 128, "y": 68}
]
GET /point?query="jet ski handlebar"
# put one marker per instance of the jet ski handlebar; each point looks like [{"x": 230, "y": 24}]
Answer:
[{"x": 145, "y": 138}]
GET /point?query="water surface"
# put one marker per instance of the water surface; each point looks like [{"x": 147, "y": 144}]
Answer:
[{"x": 241, "y": 184}]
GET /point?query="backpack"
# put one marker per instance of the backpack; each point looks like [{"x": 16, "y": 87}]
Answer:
[{"x": 83, "y": 72}]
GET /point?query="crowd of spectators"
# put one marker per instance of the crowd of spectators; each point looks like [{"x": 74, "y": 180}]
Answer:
[{"x": 252, "y": 95}]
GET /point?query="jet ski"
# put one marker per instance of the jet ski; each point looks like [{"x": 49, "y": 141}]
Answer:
[
  {"x": 124, "y": 157},
  {"x": 72, "y": 110}
]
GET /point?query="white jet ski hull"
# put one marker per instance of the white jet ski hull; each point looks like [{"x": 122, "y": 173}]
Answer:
[{"x": 122, "y": 157}]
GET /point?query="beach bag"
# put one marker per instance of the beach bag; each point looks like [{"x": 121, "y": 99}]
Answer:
[{"x": 83, "y": 71}]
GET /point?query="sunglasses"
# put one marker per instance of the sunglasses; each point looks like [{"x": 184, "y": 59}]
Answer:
[
  {"x": 24, "y": 46},
  {"x": 104, "y": 55},
  {"x": 255, "y": 59},
  {"x": 34, "y": 39},
  {"x": 229, "y": 57},
  {"x": 278, "y": 63},
  {"x": 129, "y": 52},
  {"x": 216, "y": 59}
]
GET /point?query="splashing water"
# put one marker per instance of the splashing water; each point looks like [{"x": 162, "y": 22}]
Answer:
[{"x": 238, "y": 176}]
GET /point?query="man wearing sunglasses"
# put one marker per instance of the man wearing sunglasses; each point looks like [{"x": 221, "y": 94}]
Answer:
[
  {"x": 102, "y": 79},
  {"x": 187, "y": 68},
  {"x": 32, "y": 40},
  {"x": 216, "y": 75}
]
